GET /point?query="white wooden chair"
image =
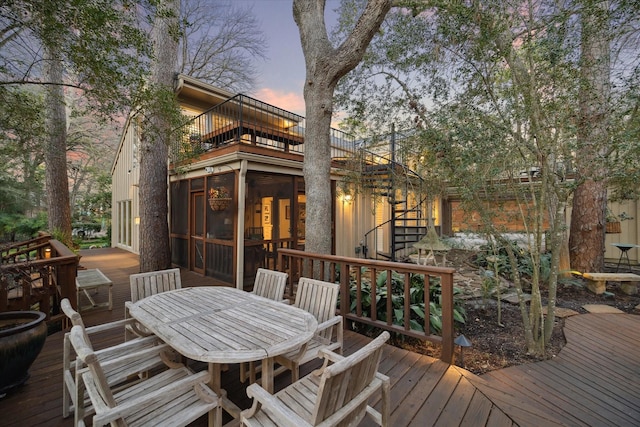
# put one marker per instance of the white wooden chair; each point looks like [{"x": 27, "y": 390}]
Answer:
[
  {"x": 147, "y": 284},
  {"x": 174, "y": 397},
  {"x": 149, "y": 354},
  {"x": 268, "y": 284},
  {"x": 320, "y": 299},
  {"x": 335, "y": 395}
]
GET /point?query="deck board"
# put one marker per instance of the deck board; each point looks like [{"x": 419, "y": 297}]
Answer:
[{"x": 594, "y": 380}]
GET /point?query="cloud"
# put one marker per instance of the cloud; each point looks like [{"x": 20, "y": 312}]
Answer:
[
  {"x": 292, "y": 102},
  {"x": 289, "y": 101}
]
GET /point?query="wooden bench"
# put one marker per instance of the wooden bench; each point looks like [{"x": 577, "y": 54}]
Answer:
[
  {"x": 596, "y": 282},
  {"x": 92, "y": 279}
]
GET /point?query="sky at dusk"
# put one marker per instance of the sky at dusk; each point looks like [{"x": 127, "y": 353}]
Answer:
[{"x": 281, "y": 76}]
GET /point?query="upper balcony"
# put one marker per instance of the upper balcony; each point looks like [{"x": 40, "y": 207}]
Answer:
[{"x": 243, "y": 121}]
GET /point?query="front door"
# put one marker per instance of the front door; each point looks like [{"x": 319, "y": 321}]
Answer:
[{"x": 197, "y": 232}]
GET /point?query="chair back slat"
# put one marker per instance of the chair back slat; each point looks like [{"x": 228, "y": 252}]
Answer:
[
  {"x": 319, "y": 298},
  {"x": 97, "y": 377},
  {"x": 154, "y": 282},
  {"x": 270, "y": 284},
  {"x": 344, "y": 380}
]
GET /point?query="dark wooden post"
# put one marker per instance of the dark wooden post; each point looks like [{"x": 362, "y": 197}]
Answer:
[{"x": 447, "y": 317}]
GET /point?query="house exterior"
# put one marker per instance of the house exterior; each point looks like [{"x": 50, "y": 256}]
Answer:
[
  {"x": 623, "y": 230},
  {"x": 250, "y": 155},
  {"x": 236, "y": 188}
]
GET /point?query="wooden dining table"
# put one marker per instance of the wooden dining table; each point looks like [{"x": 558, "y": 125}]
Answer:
[{"x": 222, "y": 325}]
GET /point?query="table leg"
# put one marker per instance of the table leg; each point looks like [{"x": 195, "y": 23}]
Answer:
[
  {"x": 619, "y": 259},
  {"x": 267, "y": 374},
  {"x": 624, "y": 253},
  {"x": 89, "y": 297},
  {"x": 215, "y": 415}
]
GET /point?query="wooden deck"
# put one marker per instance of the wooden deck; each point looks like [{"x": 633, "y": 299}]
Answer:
[{"x": 594, "y": 381}]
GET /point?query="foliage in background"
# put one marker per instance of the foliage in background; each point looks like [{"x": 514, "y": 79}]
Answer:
[
  {"x": 22, "y": 150},
  {"x": 490, "y": 90},
  {"x": 525, "y": 265},
  {"x": 16, "y": 227}
]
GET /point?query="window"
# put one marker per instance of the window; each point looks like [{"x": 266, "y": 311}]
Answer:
[{"x": 124, "y": 223}]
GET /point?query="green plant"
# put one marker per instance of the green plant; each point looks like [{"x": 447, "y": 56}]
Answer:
[
  {"x": 20, "y": 227},
  {"x": 500, "y": 261},
  {"x": 416, "y": 303},
  {"x": 488, "y": 285},
  {"x": 623, "y": 216}
]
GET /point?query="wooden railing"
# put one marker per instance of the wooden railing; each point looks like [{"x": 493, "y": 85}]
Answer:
[
  {"x": 36, "y": 275},
  {"x": 21, "y": 251},
  {"x": 353, "y": 273},
  {"x": 242, "y": 119}
]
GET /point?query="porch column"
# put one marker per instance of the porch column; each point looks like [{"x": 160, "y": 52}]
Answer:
[{"x": 242, "y": 195}]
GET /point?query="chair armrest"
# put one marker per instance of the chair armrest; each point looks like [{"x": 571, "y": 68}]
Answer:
[
  {"x": 108, "y": 326},
  {"x": 335, "y": 357},
  {"x": 122, "y": 410},
  {"x": 285, "y": 416},
  {"x": 129, "y": 346},
  {"x": 327, "y": 327},
  {"x": 330, "y": 355},
  {"x": 329, "y": 323},
  {"x": 130, "y": 357},
  {"x": 383, "y": 378}
]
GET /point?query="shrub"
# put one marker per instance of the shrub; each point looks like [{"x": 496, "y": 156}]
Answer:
[
  {"x": 416, "y": 303},
  {"x": 523, "y": 257}
]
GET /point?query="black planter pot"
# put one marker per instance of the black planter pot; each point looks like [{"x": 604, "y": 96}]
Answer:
[{"x": 22, "y": 335}]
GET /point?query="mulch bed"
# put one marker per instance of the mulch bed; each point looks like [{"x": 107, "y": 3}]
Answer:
[{"x": 500, "y": 345}]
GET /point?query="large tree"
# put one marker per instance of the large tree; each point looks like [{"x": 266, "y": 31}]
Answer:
[
  {"x": 56, "y": 160},
  {"x": 325, "y": 65},
  {"x": 155, "y": 253},
  {"x": 95, "y": 47},
  {"x": 588, "y": 217},
  {"x": 218, "y": 45}
]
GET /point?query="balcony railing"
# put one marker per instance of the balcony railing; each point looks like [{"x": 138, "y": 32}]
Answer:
[
  {"x": 36, "y": 275},
  {"x": 245, "y": 120},
  {"x": 357, "y": 277}
]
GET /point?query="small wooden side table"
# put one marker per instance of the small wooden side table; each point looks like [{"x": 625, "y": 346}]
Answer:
[{"x": 93, "y": 279}]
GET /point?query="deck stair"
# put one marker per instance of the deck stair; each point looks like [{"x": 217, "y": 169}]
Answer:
[{"x": 385, "y": 176}]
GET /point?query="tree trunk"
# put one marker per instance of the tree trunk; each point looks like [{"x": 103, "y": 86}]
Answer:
[
  {"x": 155, "y": 252},
  {"x": 56, "y": 153},
  {"x": 324, "y": 68},
  {"x": 588, "y": 218},
  {"x": 317, "y": 168}
]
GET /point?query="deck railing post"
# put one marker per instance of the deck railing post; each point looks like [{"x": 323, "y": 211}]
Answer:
[
  {"x": 344, "y": 288},
  {"x": 309, "y": 262},
  {"x": 446, "y": 282}
]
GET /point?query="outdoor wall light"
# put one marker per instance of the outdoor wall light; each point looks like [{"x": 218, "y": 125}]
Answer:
[
  {"x": 136, "y": 220},
  {"x": 209, "y": 169}
]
